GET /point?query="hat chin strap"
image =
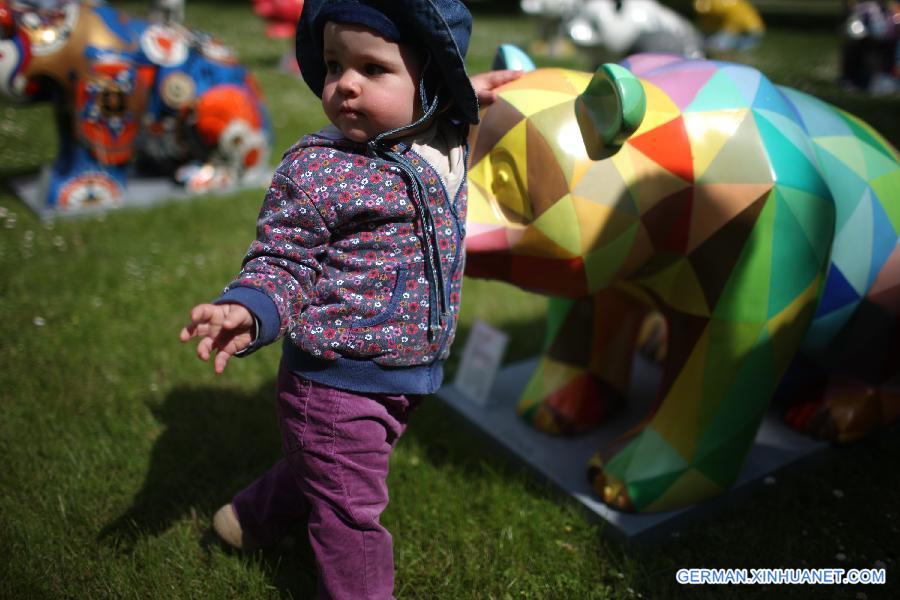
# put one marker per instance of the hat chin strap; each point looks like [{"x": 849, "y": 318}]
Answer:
[{"x": 430, "y": 109}]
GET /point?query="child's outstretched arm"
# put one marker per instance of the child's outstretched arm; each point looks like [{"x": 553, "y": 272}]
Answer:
[
  {"x": 225, "y": 327},
  {"x": 485, "y": 83}
]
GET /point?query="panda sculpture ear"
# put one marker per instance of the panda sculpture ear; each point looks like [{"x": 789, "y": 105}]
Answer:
[
  {"x": 609, "y": 110},
  {"x": 509, "y": 56}
]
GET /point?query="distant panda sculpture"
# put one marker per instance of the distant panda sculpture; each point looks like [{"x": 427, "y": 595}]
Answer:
[
  {"x": 131, "y": 95},
  {"x": 621, "y": 27}
]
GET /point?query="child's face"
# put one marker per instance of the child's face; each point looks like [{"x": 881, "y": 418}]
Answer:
[{"x": 371, "y": 83}]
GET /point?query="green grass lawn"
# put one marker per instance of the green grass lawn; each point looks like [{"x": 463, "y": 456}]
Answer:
[{"x": 117, "y": 445}]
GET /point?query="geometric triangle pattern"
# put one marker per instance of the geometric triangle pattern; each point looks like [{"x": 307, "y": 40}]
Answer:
[{"x": 760, "y": 222}]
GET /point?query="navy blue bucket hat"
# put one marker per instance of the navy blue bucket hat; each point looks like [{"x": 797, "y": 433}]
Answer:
[{"x": 443, "y": 27}]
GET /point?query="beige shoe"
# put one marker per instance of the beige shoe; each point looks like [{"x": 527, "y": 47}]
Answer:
[{"x": 226, "y": 525}]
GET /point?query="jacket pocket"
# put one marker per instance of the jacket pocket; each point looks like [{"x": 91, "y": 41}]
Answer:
[{"x": 388, "y": 310}]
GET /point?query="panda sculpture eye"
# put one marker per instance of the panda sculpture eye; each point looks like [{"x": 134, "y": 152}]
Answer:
[{"x": 508, "y": 188}]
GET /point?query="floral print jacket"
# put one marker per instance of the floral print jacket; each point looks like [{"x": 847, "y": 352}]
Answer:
[{"x": 340, "y": 267}]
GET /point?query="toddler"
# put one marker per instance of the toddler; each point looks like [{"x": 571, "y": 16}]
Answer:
[{"x": 358, "y": 265}]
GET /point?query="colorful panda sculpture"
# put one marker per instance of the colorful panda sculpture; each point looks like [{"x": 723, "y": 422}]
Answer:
[
  {"x": 759, "y": 221},
  {"x": 131, "y": 95}
]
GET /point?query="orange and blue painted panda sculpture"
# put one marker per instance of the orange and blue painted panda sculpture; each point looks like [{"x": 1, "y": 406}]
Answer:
[
  {"x": 759, "y": 221},
  {"x": 130, "y": 93}
]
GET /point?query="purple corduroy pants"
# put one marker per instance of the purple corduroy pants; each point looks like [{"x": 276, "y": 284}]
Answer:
[{"x": 334, "y": 473}]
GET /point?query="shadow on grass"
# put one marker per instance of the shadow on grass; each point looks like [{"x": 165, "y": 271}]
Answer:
[
  {"x": 214, "y": 441},
  {"x": 8, "y": 173}
]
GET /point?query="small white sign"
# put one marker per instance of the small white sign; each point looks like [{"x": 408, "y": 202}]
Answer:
[{"x": 480, "y": 360}]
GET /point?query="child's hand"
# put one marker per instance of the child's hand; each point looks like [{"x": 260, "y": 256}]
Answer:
[
  {"x": 227, "y": 328},
  {"x": 485, "y": 83}
]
